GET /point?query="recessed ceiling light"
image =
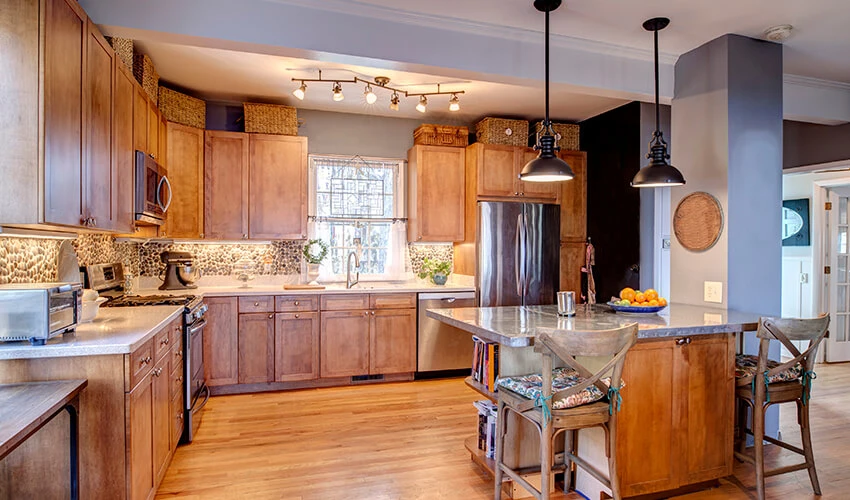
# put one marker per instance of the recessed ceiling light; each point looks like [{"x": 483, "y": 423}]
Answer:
[{"x": 778, "y": 33}]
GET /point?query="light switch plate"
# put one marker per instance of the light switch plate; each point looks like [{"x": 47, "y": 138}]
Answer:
[{"x": 713, "y": 292}]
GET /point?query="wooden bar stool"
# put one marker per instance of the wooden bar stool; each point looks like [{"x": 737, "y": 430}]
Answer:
[
  {"x": 581, "y": 400},
  {"x": 761, "y": 382}
]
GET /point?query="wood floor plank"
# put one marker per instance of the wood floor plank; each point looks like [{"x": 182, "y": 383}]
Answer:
[{"x": 405, "y": 441}]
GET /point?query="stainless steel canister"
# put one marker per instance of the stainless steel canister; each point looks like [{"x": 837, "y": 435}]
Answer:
[{"x": 567, "y": 303}]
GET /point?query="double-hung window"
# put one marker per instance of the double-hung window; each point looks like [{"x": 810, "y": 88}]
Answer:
[{"x": 359, "y": 199}]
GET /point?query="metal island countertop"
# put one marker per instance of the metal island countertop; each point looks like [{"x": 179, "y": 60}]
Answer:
[{"x": 515, "y": 326}]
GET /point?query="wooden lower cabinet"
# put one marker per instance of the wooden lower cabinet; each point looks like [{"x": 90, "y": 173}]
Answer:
[
  {"x": 221, "y": 357},
  {"x": 256, "y": 348},
  {"x": 161, "y": 384},
  {"x": 296, "y": 346},
  {"x": 680, "y": 431},
  {"x": 140, "y": 474},
  {"x": 345, "y": 343},
  {"x": 392, "y": 342}
]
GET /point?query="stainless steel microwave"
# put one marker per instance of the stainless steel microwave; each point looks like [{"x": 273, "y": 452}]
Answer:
[
  {"x": 153, "y": 190},
  {"x": 38, "y": 311}
]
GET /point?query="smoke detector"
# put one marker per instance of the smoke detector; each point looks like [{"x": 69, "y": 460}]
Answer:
[{"x": 778, "y": 33}]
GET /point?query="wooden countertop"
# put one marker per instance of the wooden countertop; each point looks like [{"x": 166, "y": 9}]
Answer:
[
  {"x": 24, "y": 408},
  {"x": 515, "y": 326}
]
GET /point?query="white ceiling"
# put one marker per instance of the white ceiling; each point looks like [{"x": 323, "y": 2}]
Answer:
[
  {"x": 819, "y": 47},
  {"x": 226, "y": 75}
]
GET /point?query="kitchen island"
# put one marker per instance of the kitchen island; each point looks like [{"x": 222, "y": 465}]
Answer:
[{"x": 675, "y": 430}]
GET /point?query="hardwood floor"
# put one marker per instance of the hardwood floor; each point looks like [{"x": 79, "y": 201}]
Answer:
[{"x": 405, "y": 441}]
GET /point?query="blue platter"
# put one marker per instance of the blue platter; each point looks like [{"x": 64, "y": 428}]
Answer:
[{"x": 635, "y": 309}]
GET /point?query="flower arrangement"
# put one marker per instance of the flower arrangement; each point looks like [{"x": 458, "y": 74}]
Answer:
[
  {"x": 315, "y": 251},
  {"x": 437, "y": 270}
]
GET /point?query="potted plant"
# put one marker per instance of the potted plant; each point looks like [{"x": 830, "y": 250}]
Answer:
[
  {"x": 314, "y": 253},
  {"x": 437, "y": 270}
]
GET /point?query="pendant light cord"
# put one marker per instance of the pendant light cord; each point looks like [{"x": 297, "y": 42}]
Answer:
[
  {"x": 657, "y": 105},
  {"x": 547, "y": 71}
]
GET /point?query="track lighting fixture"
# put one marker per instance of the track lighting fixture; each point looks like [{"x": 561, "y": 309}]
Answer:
[
  {"x": 423, "y": 104},
  {"x": 454, "y": 103},
  {"x": 300, "y": 92},
  {"x": 371, "y": 98}
]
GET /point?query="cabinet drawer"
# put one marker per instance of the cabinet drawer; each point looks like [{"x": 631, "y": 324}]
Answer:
[
  {"x": 176, "y": 380},
  {"x": 292, "y": 303},
  {"x": 259, "y": 303},
  {"x": 392, "y": 300},
  {"x": 176, "y": 420},
  {"x": 177, "y": 355},
  {"x": 138, "y": 364},
  {"x": 345, "y": 302},
  {"x": 162, "y": 341},
  {"x": 177, "y": 333}
]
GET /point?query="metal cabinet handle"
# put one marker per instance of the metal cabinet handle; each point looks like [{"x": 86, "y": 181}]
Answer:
[
  {"x": 179, "y": 379},
  {"x": 157, "y": 372},
  {"x": 683, "y": 341},
  {"x": 179, "y": 353},
  {"x": 164, "y": 341},
  {"x": 145, "y": 360},
  {"x": 179, "y": 416}
]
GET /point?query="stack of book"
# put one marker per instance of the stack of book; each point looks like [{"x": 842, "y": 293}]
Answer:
[
  {"x": 485, "y": 363},
  {"x": 486, "y": 427}
]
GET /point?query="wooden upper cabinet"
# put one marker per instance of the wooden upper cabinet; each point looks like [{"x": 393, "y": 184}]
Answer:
[
  {"x": 496, "y": 170},
  {"x": 538, "y": 190},
  {"x": 574, "y": 198},
  {"x": 225, "y": 185},
  {"x": 573, "y": 256},
  {"x": 185, "y": 217},
  {"x": 140, "y": 119},
  {"x": 221, "y": 362},
  {"x": 436, "y": 194},
  {"x": 153, "y": 130},
  {"x": 392, "y": 343},
  {"x": 256, "y": 348},
  {"x": 123, "y": 150},
  {"x": 277, "y": 187},
  {"x": 162, "y": 143},
  {"x": 64, "y": 100},
  {"x": 99, "y": 174}
]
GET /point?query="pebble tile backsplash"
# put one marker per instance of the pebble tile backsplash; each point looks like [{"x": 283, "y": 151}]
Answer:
[{"x": 25, "y": 260}]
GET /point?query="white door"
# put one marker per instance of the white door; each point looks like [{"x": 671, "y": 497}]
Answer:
[{"x": 838, "y": 257}]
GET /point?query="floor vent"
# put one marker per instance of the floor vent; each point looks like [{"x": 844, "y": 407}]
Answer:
[{"x": 366, "y": 378}]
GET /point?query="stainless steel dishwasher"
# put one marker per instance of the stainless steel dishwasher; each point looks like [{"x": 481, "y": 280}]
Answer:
[{"x": 440, "y": 347}]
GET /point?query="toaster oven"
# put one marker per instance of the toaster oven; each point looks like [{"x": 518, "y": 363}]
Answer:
[{"x": 38, "y": 311}]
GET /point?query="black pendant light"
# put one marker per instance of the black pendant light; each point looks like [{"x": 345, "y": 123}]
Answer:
[
  {"x": 547, "y": 167},
  {"x": 659, "y": 173}
]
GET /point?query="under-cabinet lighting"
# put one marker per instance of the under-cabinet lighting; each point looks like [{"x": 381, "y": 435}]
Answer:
[{"x": 16, "y": 232}]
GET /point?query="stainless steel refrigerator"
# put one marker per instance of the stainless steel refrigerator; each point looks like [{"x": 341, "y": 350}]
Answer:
[{"x": 518, "y": 253}]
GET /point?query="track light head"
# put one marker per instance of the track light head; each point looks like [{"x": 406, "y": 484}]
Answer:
[
  {"x": 394, "y": 102},
  {"x": 454, "y": 103},
  {"x": 423, "y": 104},
  {"x": 300, "y": 92},
  {"x": 338, "y": 96},
  {"x": 371, "y": 98}
]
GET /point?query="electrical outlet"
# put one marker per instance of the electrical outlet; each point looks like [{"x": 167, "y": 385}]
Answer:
[
  {"x": 804, "y": 278},
  {"x": 713, "y": 292}
]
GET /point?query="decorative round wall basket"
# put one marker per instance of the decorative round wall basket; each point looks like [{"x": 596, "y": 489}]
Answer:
[{"x": 698, "y": 221}]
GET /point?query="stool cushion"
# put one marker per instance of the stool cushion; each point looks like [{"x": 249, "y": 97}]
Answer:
[
  {"x": 747, "y": 364},
  {"x": 530, "y": 386}
]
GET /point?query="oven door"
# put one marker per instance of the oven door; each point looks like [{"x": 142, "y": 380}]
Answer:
[{"x": 153, "y": 190}]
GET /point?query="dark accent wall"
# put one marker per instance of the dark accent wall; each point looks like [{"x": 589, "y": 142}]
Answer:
[
  {"x": 810, "y": 144},
  {"x": 614, "y": 155}
]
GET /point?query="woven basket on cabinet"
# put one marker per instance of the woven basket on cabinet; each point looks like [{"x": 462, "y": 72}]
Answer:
[
  {"x": 146, "y": 75},
  {"x": 566, "y": 135},
  {"x": 123, "y": 47},
  {"x": 441, "y": 135},
  {"x": 502, "y": 131},
  {"x": 181, "y": 108},
  {"x": 270, "y": 119}
]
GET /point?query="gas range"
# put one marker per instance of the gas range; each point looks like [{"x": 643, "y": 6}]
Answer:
[{"x": 150, "y": 300}]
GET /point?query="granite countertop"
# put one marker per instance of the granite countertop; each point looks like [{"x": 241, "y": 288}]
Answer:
[
  {"x": 116, "y": 330},
  {"x": 514, "y": 326}
]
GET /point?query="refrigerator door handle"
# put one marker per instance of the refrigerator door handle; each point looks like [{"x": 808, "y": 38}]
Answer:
[
  {"x": 523, "y": 255},
  {"x": 518, "y": 261}
]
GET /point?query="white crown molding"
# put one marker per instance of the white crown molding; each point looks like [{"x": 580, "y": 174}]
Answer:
[
  {"x": 361, "y": 9},
  {"x": 807, "y": 81}
]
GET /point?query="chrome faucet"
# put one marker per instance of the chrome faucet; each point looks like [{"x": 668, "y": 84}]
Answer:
[{"x": 356, "y": 255}]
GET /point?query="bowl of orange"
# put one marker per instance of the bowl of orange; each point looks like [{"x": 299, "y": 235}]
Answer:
[{"x": 633, "y": 301}]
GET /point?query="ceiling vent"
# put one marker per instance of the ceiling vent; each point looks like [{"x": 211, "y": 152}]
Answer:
[{"x": 778, "y": 33}]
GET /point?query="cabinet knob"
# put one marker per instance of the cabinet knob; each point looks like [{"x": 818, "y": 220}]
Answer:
[
  {"x": 256, "y": 304},
  {"x": 145, "y": 360},
  {"x": 271, "y": 316},
  {"x": 201, "y": 235},
  {"x": 522, "y": 194},
  {"x": 516, "y": 193},
  {"x": 180, "y": 353},
  {"x": 179, "y": 379},
  {"x": 179, "y": 416},
  {"x": 683, "y": 341},
  {"x": 157, "y": 372},
  {"x": 373, "y": 313},
  {"x": 164, "y": 341},
  {"x": 295, "y": 303},
  {"x": 297, "y": 316},
  {"x": 245, "y": 236}
]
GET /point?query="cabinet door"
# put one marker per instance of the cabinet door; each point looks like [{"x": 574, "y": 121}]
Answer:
[
  {"x": 647, "y": 450},
  {"x": 161, "y": 384},
  {"x": 707, "y": 391},
  {"x": 392, "y": 346},
  {"x": 344, "y": 343},
  {"x": 176, "y": 420},
  {"x": 256, "y": 348},
  {"x": 162, "y": 144},
  {"x": 436, "y": 191},
  {"x": 225, "y": 185},
  {"x": 140, "y": 119},
  {"x": 220, "y": 341},
  {"x": 548, "y": 191},
  {"x": 140, "y": 472},
  {"x": 277, "y": 187},
  {"x": 573, "y": 256},
  {"x": 574, "y": 198},
  {"x": 123, "y": 149},
  {"x": 98, "y": 176},
  {"x": 186, "y": 173},
  {"x": 64, "y": 96},
  {"x": 153, "y": 130},
  {"x": 296, "y": 346},
  {"x": 497, "y": 171}
]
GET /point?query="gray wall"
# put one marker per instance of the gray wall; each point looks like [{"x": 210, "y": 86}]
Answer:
[{"x": 811, "y": 144}]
